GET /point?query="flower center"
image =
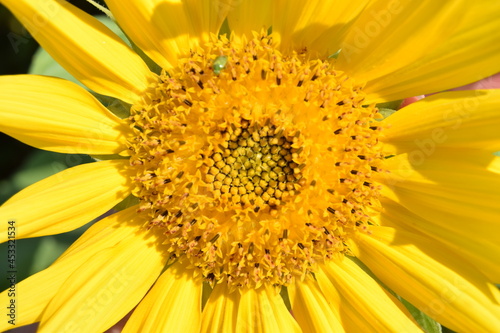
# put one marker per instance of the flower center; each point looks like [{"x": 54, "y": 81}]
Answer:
[{"x": 255, "y": 165}]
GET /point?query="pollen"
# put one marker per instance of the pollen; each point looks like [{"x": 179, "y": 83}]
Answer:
[{"x": 256, "y": 166}]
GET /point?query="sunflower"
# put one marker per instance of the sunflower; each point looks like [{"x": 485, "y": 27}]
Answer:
[{"x": 268, "y": 193}]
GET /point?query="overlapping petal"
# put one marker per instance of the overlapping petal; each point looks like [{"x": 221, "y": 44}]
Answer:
[
  {"x": 433, "y": 278},
  {"x": 452, "y": 196},
  {"x": 246, "y": 16},
  {"x": 104, "y": 288},
  {"x": 35, "y": 292},
  {"x": 57, "y": 115},
  {"x": 445, "y": 60},
  {"x": 313, "y": 309},
  {"x": 66, "y": 200},
  {"x": 388, "y": 35},
  {"x": 317, "y": 26},
  {"x": 366, "y": 298},
  {"x": 168, "y": 29},
  {"x": 85, "y": 47},
  {"x": 457, "y": 119},
  {"x": 261, "y": 310},
  {"x": 172, "y": 305}
]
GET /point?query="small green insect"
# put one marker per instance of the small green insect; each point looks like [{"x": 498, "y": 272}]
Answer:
[{"x": 219, "y": 64}]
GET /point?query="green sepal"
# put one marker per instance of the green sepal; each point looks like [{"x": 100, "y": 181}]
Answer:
[
  {"x": 225, "y": 29},
  {"x": 126, "y": 203},
  {"x": 394, "y": 105},
  {"x": 385, "y": 112},
  {"x": 428, "y": 324},
  {"x": 153, "y": 66},
  {"x": 205, "y": 294},
  {"x": 335, "y": 55},
  {"x": 118, "y": 107},
  {"x": 286, "y": 298},
  {"x": 108, "y": 157}
]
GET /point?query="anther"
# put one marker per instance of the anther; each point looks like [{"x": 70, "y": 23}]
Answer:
[
  {"x": 215, "y": 238},
  {"x": 285, "y": 234},
  {"x": 263, "y": 74}
]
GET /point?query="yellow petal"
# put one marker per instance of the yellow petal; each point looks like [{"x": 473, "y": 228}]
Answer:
[
  {"x": 463, "y": 119},
  {"x": 478, "y": 245},
  {"x": 311, "y": 308},
  {"x": 315, "y": 25},
  {"x": 261, "y": 310},
  {"x": 107, "y": 286},
  {"x": 57, "y": 115},
  {"x": 84, "y": 47},
  {"x": 459, "y": 187},
  {"x": 66, "y": 200},
  {"x": 246, "y": 16},
  {"x": 432, "y": 278},
  {"x": 352, "y": 320},
  {"x": 368, "y": 298},
  {"x": 172, "y": 305},
  {"x": 167, "y": 29},
  {"x": 221, "y": 311},
  {"x": 34, "y": 293},
  {"x": 470, "y": 53},
  {"x": 389, "y": 35},
  {"x": 453, "y": 196}
]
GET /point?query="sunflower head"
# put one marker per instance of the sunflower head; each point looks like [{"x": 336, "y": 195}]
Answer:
[
  {"x": 268, "y": 195},
  {"x": 255, "y": 165}
]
